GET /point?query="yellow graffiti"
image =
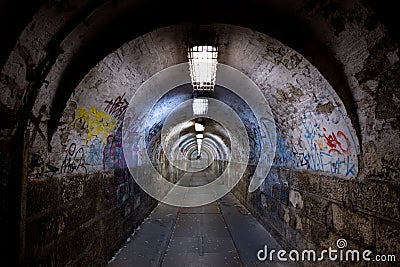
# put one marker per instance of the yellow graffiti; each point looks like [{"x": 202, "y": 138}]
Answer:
[{"x": 98, "y": 123}]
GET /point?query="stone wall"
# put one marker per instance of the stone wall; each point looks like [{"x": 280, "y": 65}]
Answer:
[
  {"x": 310, "y": 210},
  {"x": 82, "y": 219}
]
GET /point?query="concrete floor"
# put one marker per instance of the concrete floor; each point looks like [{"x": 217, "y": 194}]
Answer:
[{"x": 222, "y": 233}]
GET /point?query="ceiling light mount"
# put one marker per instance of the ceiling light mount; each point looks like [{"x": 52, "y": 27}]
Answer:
[{"x": 202, "y": 51}]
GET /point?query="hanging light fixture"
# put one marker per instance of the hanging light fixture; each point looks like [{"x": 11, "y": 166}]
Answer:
[
  {"x": 200, "y": 106},
  {"x": 202, "y": 52},
  {"x": 203, "y": 67},
  {"x": 199, "y": 143},
  {"x": 203, "y": 59},
  {"x": 198, "y": 127}
]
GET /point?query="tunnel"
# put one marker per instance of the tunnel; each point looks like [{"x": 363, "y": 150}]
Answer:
[{"x": 112, "y": 157}]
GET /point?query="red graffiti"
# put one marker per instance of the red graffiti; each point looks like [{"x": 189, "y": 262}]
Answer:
[{"x": 338, "y": 142}]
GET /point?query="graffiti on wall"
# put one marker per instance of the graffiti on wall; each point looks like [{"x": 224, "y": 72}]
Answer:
[
  {"x": 113, "y": 157},
  {"x": 95, "y": 152},
  {"x": 318, "y": 148},
  {"x": 117, "y": 107},
  {"x": 133, "y": 137},
  {"x": 338, "y": 142},
  {"x": 74, "y": 160},
  {"x": 97, "y": 123}
]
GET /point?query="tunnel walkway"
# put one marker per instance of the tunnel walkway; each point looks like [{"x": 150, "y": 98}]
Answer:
[{"x": 222, "y": 233}]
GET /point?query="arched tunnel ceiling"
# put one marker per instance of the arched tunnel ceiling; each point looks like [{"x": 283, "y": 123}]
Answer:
[
  {"x": 313, "y": 129},
  {"x": 14, "y": 19},
  {"x": 67, "y": 43},
  {"x": 79, "y": 29}
]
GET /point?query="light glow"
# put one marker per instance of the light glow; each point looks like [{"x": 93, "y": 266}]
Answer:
[
  {"x": 200, "y": 106},
  {"x": 203, "y": 67},
  {"x": 199, "y": 143},
  {"x": 199, "y": 136},
  {"x": 198, "y": 127}
]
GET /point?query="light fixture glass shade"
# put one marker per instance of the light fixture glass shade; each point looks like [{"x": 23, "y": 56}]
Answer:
[
  {"x": 199, "y": 149},
  {"x": 198, "y": 127},
  {"x": 203, "y": 67},
  {"x": 200, "y": 106},
  {"x": 199, "y": 143}
]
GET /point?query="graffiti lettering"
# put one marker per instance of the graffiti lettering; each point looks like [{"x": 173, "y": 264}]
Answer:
[
  {"x": 334, "y": 143},
  {"x": 113, "y": 157},
  {"x": 95, "y": 152},
  {"x": 74, "y": 160},
  {"x": 300, "y": 158},
  {"x": 117, "y": 107},
  {"x": 318, "y": 151},
  {"x": 310, "y": 132},
  {"x": 317, "y": 160}
]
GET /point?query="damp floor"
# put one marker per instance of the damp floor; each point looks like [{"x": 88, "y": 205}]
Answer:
[{"x": 222, "y": 233}]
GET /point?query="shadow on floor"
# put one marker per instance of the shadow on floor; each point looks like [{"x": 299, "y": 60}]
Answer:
[{"x": 222, "y": 233}]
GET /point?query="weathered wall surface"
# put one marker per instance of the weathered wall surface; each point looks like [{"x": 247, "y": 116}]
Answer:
[
  {"x": 313, "y": 210},
  {"x": 82, "y": 219},
  {"x": 82, "y": 202},
  {"x": 336, "y": 171},
  {"x": 315, "y": 194},
  {"x": 371, "y": 64}
]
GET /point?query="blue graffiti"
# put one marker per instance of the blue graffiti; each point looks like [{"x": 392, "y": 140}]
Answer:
[
  {"x": 314, "y": 158},
  {"x": 95, "y": 152}
]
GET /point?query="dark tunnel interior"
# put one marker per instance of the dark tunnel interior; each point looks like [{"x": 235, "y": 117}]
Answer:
[{"x": 114, "y": 155}]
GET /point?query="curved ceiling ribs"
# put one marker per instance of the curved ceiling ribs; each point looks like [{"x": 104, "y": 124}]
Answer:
[
  {"x": 105, "y": 24},
  {"x": 304, "y": 105},
  {"x": 80, "y": 32}
]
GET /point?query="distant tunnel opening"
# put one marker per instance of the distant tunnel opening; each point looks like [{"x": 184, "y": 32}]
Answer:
[
  {"x": 172, "y": 149},
  {"x": 217, "y": 143}
]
